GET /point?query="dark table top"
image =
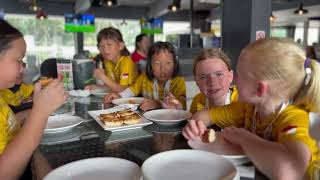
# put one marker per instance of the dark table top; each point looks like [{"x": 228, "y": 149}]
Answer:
[{"x": 90, "y": 140}]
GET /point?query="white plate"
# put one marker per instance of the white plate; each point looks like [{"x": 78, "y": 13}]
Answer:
[
  {"x": 136, "y": 100},
  {"x": 79, "y": 93},
  {"x": 167, "y": 116},
  {"x": 95, "y": 115},
  {"x": 187, "y": 165},
  {"x": 221, "y": 148},
  {"x": 314, "y": 125},
  {"x": 97, "y": 169},
  {"x": 61, "y": 123},
  {"x": 100, "y": 92}
]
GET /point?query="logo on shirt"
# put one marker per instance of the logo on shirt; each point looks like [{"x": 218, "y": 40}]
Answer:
[
  {"x": 289, "y": 130},
  {"x": 125, "y": 76}
]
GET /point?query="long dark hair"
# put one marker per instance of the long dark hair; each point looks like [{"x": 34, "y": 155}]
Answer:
[
  {"x": 114, "y": 34},
  {"x": 138, "y": 39},
  {"x": 8, "y": 34},
  {"x": 155, "y": 49}
]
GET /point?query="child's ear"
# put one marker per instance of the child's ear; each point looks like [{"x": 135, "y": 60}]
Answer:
[
  {"x": 262, "y": 88},
  {"x": 121, "y": 45},
  {"x": 231, "y": 76}
]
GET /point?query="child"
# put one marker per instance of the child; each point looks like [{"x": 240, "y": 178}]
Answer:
[
  {"x": 213, "y": 75},
  {"x": 278, "y": 87},
  {"x": 142, "y": 45},
  {"x": 161, "y": 86},
  {"x": 120, "y": 70},
  {"x": 18, "y": 143}
]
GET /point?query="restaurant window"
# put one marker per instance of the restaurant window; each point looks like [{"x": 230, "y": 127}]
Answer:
[
  {"x": 128, "y": 28},
  {"x": 44, "y": 38}
]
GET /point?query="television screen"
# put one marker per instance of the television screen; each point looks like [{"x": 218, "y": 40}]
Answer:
[
  {"x": 152, "y": 26},
  {"x": 79, "y": 23}
]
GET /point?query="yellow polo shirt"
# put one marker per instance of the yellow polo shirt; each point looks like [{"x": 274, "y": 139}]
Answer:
[
  {"x": 124, "y": 72},
  {"x": 17, "y": 98},
  {"x": 292, "y": 124},
  {"x": 9, "y": 125},
  {"x": 199, "y": 101},
  {"x": 143, "y": 86}
]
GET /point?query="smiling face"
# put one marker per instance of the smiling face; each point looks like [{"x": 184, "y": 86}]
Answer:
[
  {"x": 162, "y": 64},
  {"x": 11, "y": 63},
  {"x": 110, "y": 49},
  {"x": 213, "y": 78}
]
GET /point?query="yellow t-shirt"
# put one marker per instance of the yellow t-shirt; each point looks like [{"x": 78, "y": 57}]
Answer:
[
  {"x": 292, "y": 124},
  {"x": 9, "y": 125},
  {"x": 123, "y": 72},
  {"x": 17, "y": 98},
  {"x": 199, "y": 101},
  {"x": 144, "y": 87}
]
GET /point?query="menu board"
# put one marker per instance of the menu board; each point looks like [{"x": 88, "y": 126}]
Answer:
[{"x": 64, "y": 70}]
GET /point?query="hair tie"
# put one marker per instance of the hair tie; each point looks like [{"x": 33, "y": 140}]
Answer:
[
  {"x": 307, "y": 62},
  {"x": 307, "y": 68}
]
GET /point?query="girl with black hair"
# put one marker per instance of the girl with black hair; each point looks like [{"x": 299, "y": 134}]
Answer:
[
  {"x": 161, "y": 85},
  {"x": 17, "y": 142},
  {"x": 119, "y": 70}
]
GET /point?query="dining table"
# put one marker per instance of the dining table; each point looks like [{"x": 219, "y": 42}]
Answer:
[{"x": 89, "y": 140}]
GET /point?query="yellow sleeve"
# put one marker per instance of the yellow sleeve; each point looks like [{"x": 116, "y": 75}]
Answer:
[
  {"x": 9, "y": 125},
  {"x": 128, "y": 72},
  {"x": 136, "y": 87},
  {"x": 27, "y": 90},
  {"x": 293, "y": 125},
  {"x": 229, "y": 115},
  {"x": 3, "y": 134},
  {"x": 196, "y": 104},
  {"x": 178, "y": 89}
]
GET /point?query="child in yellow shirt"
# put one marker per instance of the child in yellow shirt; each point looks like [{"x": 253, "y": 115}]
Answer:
[
  {"x": 18, "y": 143},
  {"x": 161, "y": 85},
  {"x": 213, "y": 75},
  {"x": 119, "y": 70},
  {"x": 278, "y": 86}
]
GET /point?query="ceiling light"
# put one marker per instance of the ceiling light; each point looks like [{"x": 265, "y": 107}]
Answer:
[
  {"x": 301, "y": 10},
  {"x": 109, "y": 3},
  {"x": 34, "y": 7},
  {"x": 175, "y": 5},
  {"x": 41, "y": 15},
  {"x": 272, "y": 17}
]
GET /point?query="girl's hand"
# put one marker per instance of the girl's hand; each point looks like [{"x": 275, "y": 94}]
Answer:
[
  {"x": 50, "y": 98},
  {"x": 148, "y": 104},
  {"x": 195, "y": 128},
  {"x": 237, "y": 135},
  {"x": 171, "y": 102},
  {"x": 109, "y": 97},
  {"x": 99, "y": 74}
]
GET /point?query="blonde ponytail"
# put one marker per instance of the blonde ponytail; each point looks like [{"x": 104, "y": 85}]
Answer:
[{"x": 309, "y": 95}]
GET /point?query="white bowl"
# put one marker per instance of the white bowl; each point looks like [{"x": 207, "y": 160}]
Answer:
[
  {"x": 188, "y": 165},
  {"x": 97, "y": 169},
  {"x": 234, "y": 155}
]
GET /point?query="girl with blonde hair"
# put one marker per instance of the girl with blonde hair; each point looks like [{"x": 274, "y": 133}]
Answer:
[{"x": 278, "y": 86}]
